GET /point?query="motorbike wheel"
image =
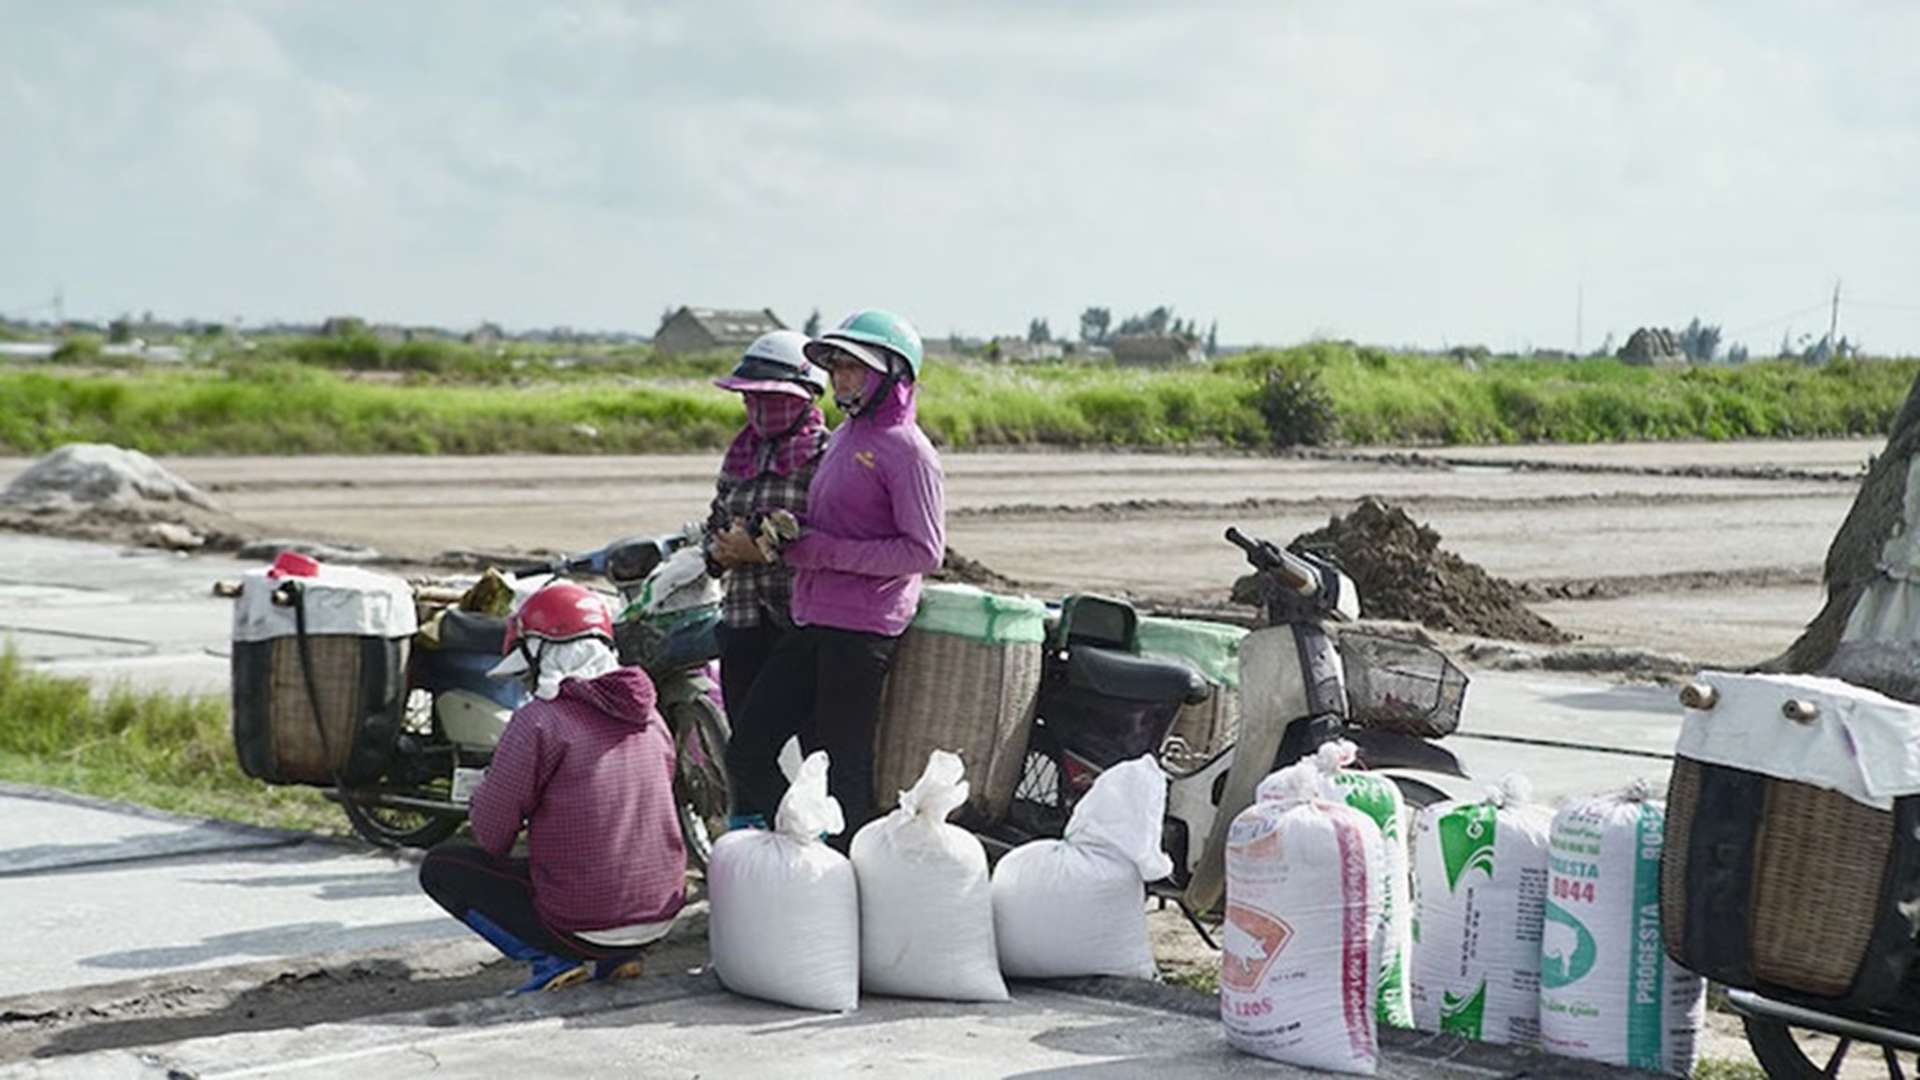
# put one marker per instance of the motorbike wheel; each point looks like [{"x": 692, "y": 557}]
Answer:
[
  {"x": 389, "y": 827},
  {"x": 1788, "y": 1053},
  {"x": 700, "y": 775},
  {"x": 1038, "y": 807}
]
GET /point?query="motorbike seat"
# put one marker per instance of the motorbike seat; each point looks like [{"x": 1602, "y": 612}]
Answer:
[
  {"x": 468, "y": 631},
  {"x": 1114, "y": 674}
]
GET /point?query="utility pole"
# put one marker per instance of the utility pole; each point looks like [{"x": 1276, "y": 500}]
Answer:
[
  {"x": 1833, "y": 323},
  {"x": 59, "y": 308}
]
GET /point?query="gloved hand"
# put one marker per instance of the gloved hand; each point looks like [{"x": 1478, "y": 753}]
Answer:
[{"x": 771, "y": 530}]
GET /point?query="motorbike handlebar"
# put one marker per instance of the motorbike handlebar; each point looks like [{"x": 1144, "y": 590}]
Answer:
[{"x": 1289, "y": 569}]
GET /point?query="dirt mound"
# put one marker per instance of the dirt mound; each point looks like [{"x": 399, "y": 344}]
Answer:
[
  {"x": 960, "y": 570},
  {"x": 1403, "y": 573}
]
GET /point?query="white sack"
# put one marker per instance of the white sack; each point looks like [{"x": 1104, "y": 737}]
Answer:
[
  {"x": 1077, "y": 906},
  {"x": 1608, "y": 991},
  {"x": 784, "y": 910},
  {"x": 1299, "y": 967},
  {"x": 926, "y": 905},
  {"x": 1479, "y": 890},
  {"x": 1379, "y": 798}
]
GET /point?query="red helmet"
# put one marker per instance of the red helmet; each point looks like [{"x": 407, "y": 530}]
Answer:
[{"x": 562, "y": 611}]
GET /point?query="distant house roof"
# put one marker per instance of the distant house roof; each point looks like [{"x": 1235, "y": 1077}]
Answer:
[
  {"x": 1147, "y": 349},
  {"x": 732, "y": 327}
]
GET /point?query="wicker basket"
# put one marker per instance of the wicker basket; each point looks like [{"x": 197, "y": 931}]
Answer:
[
  {"x": 360, "y": 685},
  {"x": 1774, "y": 884},
  {"x": 977, "y": 699}
]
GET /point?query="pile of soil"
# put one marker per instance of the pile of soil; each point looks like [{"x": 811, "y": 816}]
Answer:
[
  {"x": 957, "y": 569},
  {"x": 1404, "y": 574}
]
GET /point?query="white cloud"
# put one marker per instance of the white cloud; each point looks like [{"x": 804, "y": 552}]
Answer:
[{"x": 1408, "y": 173}]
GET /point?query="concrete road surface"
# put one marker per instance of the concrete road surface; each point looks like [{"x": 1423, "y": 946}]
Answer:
[
  {"x": 96, "y": 893},
  {"x": 687, "y": 1027},
  {"x": 110, "y": 613}
]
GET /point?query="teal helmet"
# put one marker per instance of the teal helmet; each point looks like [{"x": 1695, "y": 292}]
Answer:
[{"x": 864, "y": 334}]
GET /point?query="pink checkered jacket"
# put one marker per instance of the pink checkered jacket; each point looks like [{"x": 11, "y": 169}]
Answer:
[{"x": 590, "y": 776}]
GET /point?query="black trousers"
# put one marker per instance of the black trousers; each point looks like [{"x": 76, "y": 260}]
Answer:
[
  {"x": 743, "y": 653},
  {"x": 822, "y": 685},
  {"x": 463, "y": 878}
]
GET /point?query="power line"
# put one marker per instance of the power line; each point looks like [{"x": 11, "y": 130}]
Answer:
[{"x": 1808, "y": 310}]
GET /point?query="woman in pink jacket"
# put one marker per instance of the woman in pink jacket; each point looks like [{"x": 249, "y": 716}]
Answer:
[
  {"x": 876, "y": 522},
  {"x": 586, "y": 768}
]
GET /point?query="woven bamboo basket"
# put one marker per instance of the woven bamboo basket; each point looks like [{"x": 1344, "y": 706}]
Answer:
[
  {"x": 1818, "y": 863},
  {"x": 299, "y": 753},
  {"x": 975, "y": 699}
]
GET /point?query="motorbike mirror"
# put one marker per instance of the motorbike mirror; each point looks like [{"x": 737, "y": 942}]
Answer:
[{"x": 630, "y": 561}]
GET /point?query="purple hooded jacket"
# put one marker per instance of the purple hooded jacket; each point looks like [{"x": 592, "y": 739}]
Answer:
[
  {"x": 590, "y": 776},
  {"x": 876, "y": 521}
]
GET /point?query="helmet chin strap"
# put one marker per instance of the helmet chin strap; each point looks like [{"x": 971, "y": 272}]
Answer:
[
  {"x": 859, "y": 406},
  {"x": 532, "y": 675}
]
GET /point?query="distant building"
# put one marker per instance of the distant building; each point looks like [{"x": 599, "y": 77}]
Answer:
[
  {"x": 1021, "y": 351},
  {"x": 693, "y": 330},
  {"x": 1155, "y": 350}
]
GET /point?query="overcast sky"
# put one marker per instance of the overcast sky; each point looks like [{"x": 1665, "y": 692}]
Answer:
[{"x": 1432, "y": 173}]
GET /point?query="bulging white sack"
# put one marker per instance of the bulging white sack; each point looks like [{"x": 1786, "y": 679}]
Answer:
[
  {"x": 1608, "y": 991},
  {"x": 926, "y": 905},
  {"x": 1077, "y": 906},
  {"x": 1479, "y": 889},
  {"x": 784, "y": 910},
  {"x": 1379, "y": 798},
  {"x": 1300, "y": 967}
]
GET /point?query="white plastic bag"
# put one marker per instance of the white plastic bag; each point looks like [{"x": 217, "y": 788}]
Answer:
[
  {"x": 784, "y": 921},
  {"x": 1077, "y": 906},
  {"x": 1608, "y": 991},
  {"x": 1299, "y": 966},
  {"x": 1479, "y": 887},
  {"x": 926, "y": 905}
]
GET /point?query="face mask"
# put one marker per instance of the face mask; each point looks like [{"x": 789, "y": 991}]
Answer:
[{"x": 773, "y": 415}]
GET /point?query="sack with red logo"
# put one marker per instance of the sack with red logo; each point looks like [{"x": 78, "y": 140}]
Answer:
[
  {"x": 784, "y": 912},
  {"x": 1306, "y": 900},
  {"x": 1076, "y": 907},
  {"x": 926, "y": 905}
]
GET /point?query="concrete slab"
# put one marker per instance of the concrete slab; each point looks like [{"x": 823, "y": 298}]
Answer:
[
  {"x": 1508, "y": 715},
  {"x": 685, "y": 1028},
  {"x": 146, "y": 618},
  {"x": 96, "y": 893},
  {"x": 121, "y": 921},
  {"x": 42, "y": 832},
  {"x": 201, "y": 672}
]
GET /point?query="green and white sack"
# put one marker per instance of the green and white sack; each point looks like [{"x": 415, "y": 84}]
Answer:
[
  {"x": 1379, "y": 798},
  {"x": 1479, "y": 888},
  {"x": 1608, "y": 992}
]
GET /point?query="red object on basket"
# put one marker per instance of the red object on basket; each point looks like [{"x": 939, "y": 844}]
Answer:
[{"x": 294, "y": 564}]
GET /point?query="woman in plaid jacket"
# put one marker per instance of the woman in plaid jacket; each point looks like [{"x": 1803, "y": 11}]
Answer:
[{"x": 767, "y": 469}]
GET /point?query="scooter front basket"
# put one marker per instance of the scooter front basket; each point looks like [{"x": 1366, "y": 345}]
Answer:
[{"x": 1401, "y": 686}]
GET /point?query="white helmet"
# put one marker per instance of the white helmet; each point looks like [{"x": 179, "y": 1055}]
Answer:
[{"x": 777, "y": 363}]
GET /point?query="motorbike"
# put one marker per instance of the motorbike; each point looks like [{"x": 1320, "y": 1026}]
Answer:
[
  {"x": 1100, "y": 704},
  {"x": 454, "y": 714}
]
